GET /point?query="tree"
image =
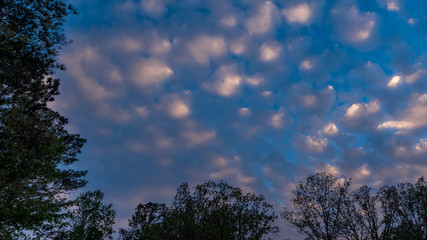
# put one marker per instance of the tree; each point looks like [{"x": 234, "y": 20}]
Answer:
[
  {"x": 405, "y": 210},
  {"x": 326, "y": 208},
  {"x": 147, "y": 222},
  {"x": 213, "y": 211},
  {"x": 360, "y": 216},
  {"x": 35, "y": 147},
  {"x": 91, "y": 219},
  {"x": 318, "y": 205}
]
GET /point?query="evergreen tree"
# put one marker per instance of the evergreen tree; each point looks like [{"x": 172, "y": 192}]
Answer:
[{"x": 35, "y": 147}]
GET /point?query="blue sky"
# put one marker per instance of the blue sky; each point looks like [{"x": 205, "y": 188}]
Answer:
[{"x": 257, "y": 93}]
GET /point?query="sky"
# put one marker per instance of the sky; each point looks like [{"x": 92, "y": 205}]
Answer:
[{"x": 257, "y": 93}]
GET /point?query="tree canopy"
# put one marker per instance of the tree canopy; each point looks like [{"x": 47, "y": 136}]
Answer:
[
  {"x": 212, "y": 211},
  {"x": 324, "y": 207},
  {"x": 35, "y": 147}
]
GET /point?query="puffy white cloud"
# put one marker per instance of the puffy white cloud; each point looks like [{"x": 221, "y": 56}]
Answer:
[
  {"x": 413, "y": 77},
  {"x": 352, "y": 26},
  {"x": 330, "y": 129},
  {"x": 391, "y": 5},
  {"x": 421, "y": 146},
  {"x": 150, "y": 72},
  {"x": 306, "y": 64},
  {"x": 357, "y": 110},
  {"x": 160, "y": 46},
  {"x": 328, "y": 168},
  {"x": 262, "y": 21},
  {"x": 414, "y": 116},
  {"x": 300, "y": 13},
  {"x": 227, "y": 81},
  {"x": 309, "y": 100},
  {"x": 229, "y": 21},
  {"x": 199, "y": 137},
  {"x": 254, "y": 80},
  {"x": 394, "y": 82},
  {"x": 93, "y": 89},
  {"x": 237, "y": 47},
  {"x": 269, "y": 51},
  {"x": 277, "y": 120},
  {"x": 178, "y": 109},
  {"x": 315, "y": 144},
  {"x": 203, "y": 47}
]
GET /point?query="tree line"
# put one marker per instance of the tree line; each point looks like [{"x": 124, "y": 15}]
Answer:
[{"x": 37, "y": 151}]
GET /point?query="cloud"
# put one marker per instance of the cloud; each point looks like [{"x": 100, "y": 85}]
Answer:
[
  {"x": 278, "y": 119},
  {"x": 414, "y": 116},
  {"x": 391, "y": 5},
  {"x": 257, "y": 93},
  {"x": 153, "y": 7},
  {"x": 421, "y": 146},
  {"x": 269, "y": 51},
  {"x": 394, "y": 81},
  {"x": 300, "y": 13},
  {"x": 198, "y": 137},
  {"x": 229, "y": 21},
  {"x": 330, "y": 129},
  {"x": 147, "y": 72},
  {"x": 227, "y": 81},
  {"x": 203, "y": 47},
  {"x": 312, "y": 144},
  {"x": 354, "y": 27},
  {"x": 358, "y": 110},
  {"x": 262, "y": 21},
  {"x": 415, "y": 76},
  {"x": 178, "y": 109}
]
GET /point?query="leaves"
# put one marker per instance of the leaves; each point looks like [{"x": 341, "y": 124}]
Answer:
[{"x": 212, "y": 211}]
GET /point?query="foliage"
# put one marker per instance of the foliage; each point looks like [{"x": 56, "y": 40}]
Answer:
[
  {"x": 318, "y": 206},
  {"x": 326, "y": 208},
  {"x": 90, "y": 219},
  {"x": 212, "y": 211},
  {"x": 35, "y": 147},
  {"x": 405, "y": 210}
]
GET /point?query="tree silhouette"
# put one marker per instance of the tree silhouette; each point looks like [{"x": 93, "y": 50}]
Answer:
[
  {"x": 324, "y": 207},
  {"x": 212, "y": 211},
  {"x": 35, "y": 147},
  {"x": 319, "y": 203}
]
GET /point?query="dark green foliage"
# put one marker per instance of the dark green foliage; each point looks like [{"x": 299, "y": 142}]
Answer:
[
  {"x": 91, "y": 220},
  {"x": 35, "y": 147},
  {"x": 213, "y": 211}
]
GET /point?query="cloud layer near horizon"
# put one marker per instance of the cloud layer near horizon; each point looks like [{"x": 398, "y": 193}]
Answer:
[{"x": 258, "y": 93}]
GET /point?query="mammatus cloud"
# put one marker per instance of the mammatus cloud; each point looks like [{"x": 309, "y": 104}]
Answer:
[
  {"x": 421, "y": 146},
  {"x": 330, "y": 129},
  {"x": 358, "y": 110},
  {"x": 300, "y": 13},
  {"x": 269, "y": 51},
  {"x": 204, "y": 47},
  {"x": 413, "y": 117},
  {"x": 227, "y": 81},
  {"x": 353, "y": 27},
  {"x": 394, "y": 81},
  {"x": 257, "y": 93},
  {"x": 148, "y": 72},
  {"x": 178, "y": 109},
  {"x": 262, "y": 20}
]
